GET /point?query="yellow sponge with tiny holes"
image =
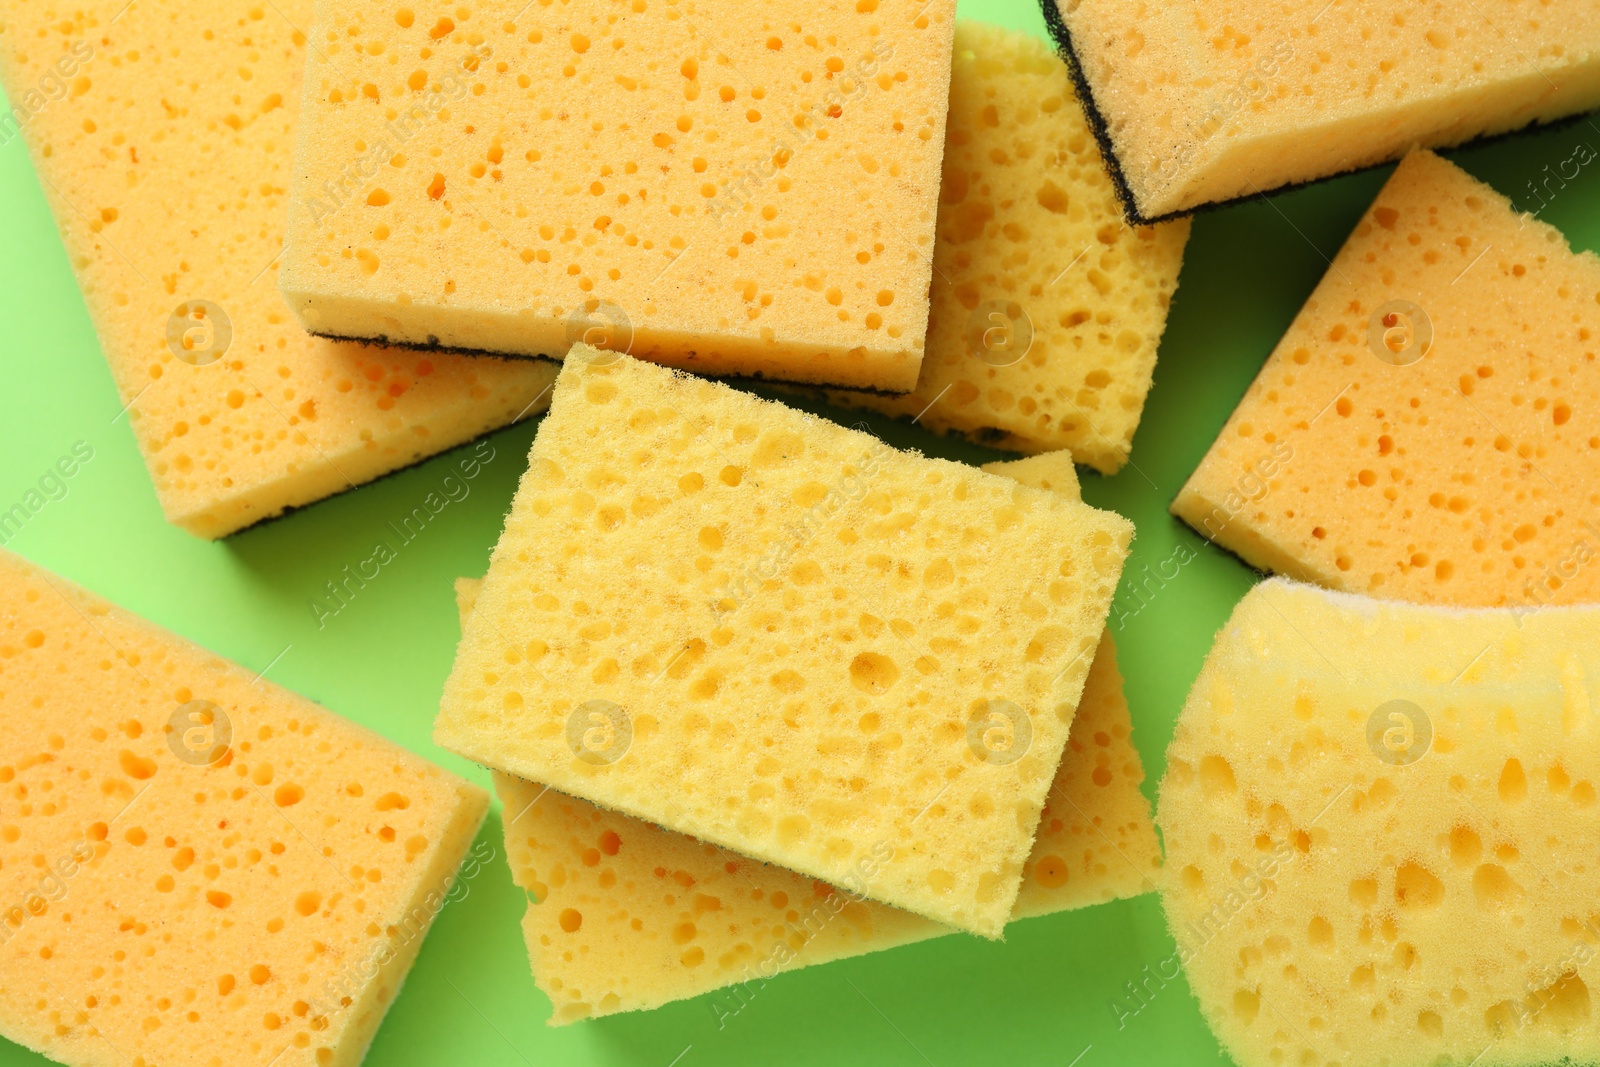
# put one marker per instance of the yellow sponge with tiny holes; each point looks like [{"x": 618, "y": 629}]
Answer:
[
  {"x": 751, "y": 625},
  {"x": 1425, "y": 430},
  {"x": 749, "y": 190},
  {"x": 196, "y": 866},
  {"x": 603, "y": 939},
  {"x": 1220, "y": 99},
  {"x": 171, "y": 204},
  {"x": 1046, "y": 308},
  {"x": 1379, "y": 820}
]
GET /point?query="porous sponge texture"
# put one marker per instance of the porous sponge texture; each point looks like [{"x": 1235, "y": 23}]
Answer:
[
  {"x": 196, "y": 866},
  {"x": 740, "y": 191},
  {"x": 1052, "y": 471},
  {"x": 627, "y": 916},
  {"x": 1046, "y": 308},
  {"x": 1466, "y": 476},
  {"x": 171, "y": 206},
  {"x": 1228, "y": 98},
  {"x": 1351, "y": 880},
  {"x": 751, "y": 625}
]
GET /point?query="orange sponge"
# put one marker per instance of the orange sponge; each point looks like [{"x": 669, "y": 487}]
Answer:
[
  {"x": 1425, "y": 428},
  {"x": 745, "y": 190},
  {"x": 198, "y": 868},
  {"x": 172, "y": 204}
]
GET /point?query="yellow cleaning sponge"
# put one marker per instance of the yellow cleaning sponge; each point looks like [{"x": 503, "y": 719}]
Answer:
[
  {"x": 1052, "y": 471},
  {"x": 751, "y": 625},
  {"x": 745, "y": 191},
  {"x": 171, "y": 205},
  {"x": 1046, "y": 309},
  {"x": 1208, "y": 102},
  {"x": 603, "y": 938},
  {"x": 197, "y": 867},
  {"x": 1379, "y": 821},
  {"x": 1420, "y": 431}
]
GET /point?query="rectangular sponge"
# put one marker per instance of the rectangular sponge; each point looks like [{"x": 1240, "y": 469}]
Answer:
[
  {"x": 603, "y": 939},
  {"x": 749, "y": 190},
  {"x": 1380, "y": 822},
  {"x": 1425, "y": 429},
  {"x": 1046, "y": 308},
  {"x": 197, "y": 867},
  {"x": 1207, "y": 102},
  {"x": 751, "y": 625},
  {"x": 171, "y": 205}
]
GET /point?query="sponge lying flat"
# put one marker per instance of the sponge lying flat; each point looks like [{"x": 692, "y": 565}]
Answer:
[
  {"x": 1379, "y": 821},
  {"x": 1046, "y": 310},
  {"x": 602, "y": 939},
  {"x": 751, "y": 625},
  {"x": 171, "y": 205},
  {"x": 745, "y": 191},
  {"x": 1208, "y": 102},
  {"x": 197, "y": 867},
  {"x": 1425, "y": 429}
]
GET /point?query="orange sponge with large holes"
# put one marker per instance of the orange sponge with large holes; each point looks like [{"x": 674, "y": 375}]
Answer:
[
  {"x": 196, "y": 866},
  {"x": 749, "y": 190},
  {"x": 1220, "y": 99},
  {"x": 171, "y": 204},
  {"x": 1426, "y": 428}
]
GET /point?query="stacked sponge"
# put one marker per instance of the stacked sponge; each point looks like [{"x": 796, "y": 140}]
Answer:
[
  {"x": 893, "y": 645},
  {"x": 603, "y": 938},
  {"x": 1046, "y": 308}
]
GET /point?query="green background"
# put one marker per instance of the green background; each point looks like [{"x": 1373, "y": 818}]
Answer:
[{"x": 1042, "y": 996}]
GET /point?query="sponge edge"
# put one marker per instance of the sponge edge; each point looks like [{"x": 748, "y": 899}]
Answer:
[
  {"x": 1386, "y": 445},
  {"x": 1207, "y": 105},
  {"x": 1053, "y": 472},
  {"x": 1352, "y": 783},
  {"x": 605, "y": 163},
  {"x": 1046, "y": 309},
  {"x": 272, "y": 868},
  {"x": 592, "y": 873},
  {"x": 238, "y": 414},
  {"x": 697, "y": 574}
]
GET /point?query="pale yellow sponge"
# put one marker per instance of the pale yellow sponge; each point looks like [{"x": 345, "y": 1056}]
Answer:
[
  {"x": 1425, "y": 430},
  {"x": 1046, "y": 309},
  {"x": 751, "y": 625},
  {"x": 1211, "y": 101},
  {"x": 1053, "y": 471},
  {"x": 746, "y": 190},
  {"x": 603, "y": 939},
  {"x": 171, "y": 204},
  {"x": 1379, "y": 820},
  {"x": 198, "y": 868}
]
